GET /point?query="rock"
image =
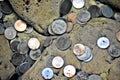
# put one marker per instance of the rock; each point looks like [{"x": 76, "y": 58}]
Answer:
[
  {"x": 6, "y": 68},
  {"x": 38, "y": 13}
]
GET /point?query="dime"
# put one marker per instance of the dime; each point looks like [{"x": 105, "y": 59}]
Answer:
[
  {"x": 95, "y": 77},
  {"x": 78, "y": 3},
  {"x": 50, "y": 30},
  {"x": 35, "y": 54},
  {"x": 117, "y": 16}
]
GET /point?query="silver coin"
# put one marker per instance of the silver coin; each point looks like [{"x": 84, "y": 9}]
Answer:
[
  {"x": 24, "y": 67},
  {"x": 50, "y": 30},
  {"x": 35, "y": 54},
  {"x": 81, "y": 75},
  {"x": 10, "y": 33},
  {"x": 83, "y": 16},
  {"x": 107, "y": 11},
  {"x": 23, "y": 48},
  {"x": 117, "y": 16},
  {"x": 63, "y": 42},
  {"x": 1, "y": 14},
  {"x": 2, "y": 29},
  {"x": 114, "y": 50},
  {"x": 59, "y": 26},
  {"x": 95, "y": 77},
  {"x": 29, "y": 29},
  {"x": 49, "y": 61},
  {"x": 48, "y": 41}
]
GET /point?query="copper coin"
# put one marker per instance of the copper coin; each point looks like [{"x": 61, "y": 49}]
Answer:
[
  {"x": 118, "y": 35},
  {"x": 78, "y": 49},
  {"x": 72, "y": 17},
  {"x": 20, "y": 25}
]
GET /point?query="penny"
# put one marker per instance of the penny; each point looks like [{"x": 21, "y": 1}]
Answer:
[
  {"x": 14, "y": 44},
  {"x": 117, "y": 16},
  {"x": 28, "y": 30},
  {"x": 48, "y": 41},
  {"x": 114, "y": 50},
  {"x": 78, "y": 49},
  {"x": 23, "y": 48},
  {"x": 70, "y": 27},
  {"x": 20, "y": 25},
  {"x": 72, "y": 17},
  {"x": 65, "y": 7},
  {"x": 63, "y": 42},
  {"x": 78, "y": 3},
  {"x": 47, "y": 73},
  {"x": 35, "y": 54},
  {"x": 107, "y": 11},
  {"x": 95, "y": 77},
  {"x": 24, "y": 67},
  {"x": 118, "y": 35},
  {"x": 94, "y": 11},
  {"x": 69, "y": 71},
  {"x": 17, "y": 59},
  {"x": 33, "y": 43},
  {"x": 2, "y": 29},
  {"x": 10, "y": 33},
  {"x": 83, "y": 16},
  {"x": 103, "y": 42},
  {"x": 6, "y": 9},
  {"x": 57, "y": 62},
  {"x": 59, "y": 26}
]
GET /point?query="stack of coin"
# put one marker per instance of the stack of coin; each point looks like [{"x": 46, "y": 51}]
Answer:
[
  {"x": 83, "y": 17},
  {"x": 50, "y": 30},
  {"x": 78, "y": 3}
]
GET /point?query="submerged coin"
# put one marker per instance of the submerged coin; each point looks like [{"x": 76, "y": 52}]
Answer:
[
  {"x": 33, "y": 43},
  {"x": 107, "y": 11},
  {"x": 114, "y": 50},
  {"x": 95, "y": 77},
  {"x": 65, "y": 7},
  {"x": 83, "y": 16},
  {"x": 20, "y": 25},
  {"x": 47, "y": 73},
  {"x": 48, "y": 41},
  {"x": 57, "y": 62},
  {"x": 78, "y": 3},
  {"x": 117, "y": 16},
  {"x": 103, "y": 42},
  {"x": 35, "y": 54},
  {"x": 69, "y": 71},
  {"x": 2, "y": 29},
  {"x": 10, "y": 33},
  {"x": 94, "y": 11},
  {"x": 24, "y": 67},
  {"x": 23, "y": 48},
  {"x": 59, "y": 26},
  {"x": 63, "y": 42},
  {"x": 6, "y": 9}
]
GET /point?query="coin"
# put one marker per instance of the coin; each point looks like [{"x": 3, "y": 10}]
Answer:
[
  {"x": 20, "y": 25},
  {"x": 83, "y": 16},
  {"x": 49, "y": 61},
  {"x": 81, "y": 75},
  {"x": 118, "y": 35},
  {"x": 78, "y": 3},
  {"x": 95, "y": 77},
  {"x": 114, "y": 50},
  {"x": 14, "y": 44},
  {"x": 10, "y": 33},
  {"x": 1, "y": 14},
  {"x": 48, "y": 41},
  {"x": 117, "y": 16},
  {"x": 94, "y": 11},
  {"x": 50, "y": 30},
  {"x": 65, "y": 7},
  {"x": 107, "y": 11},
  {"x": 69, "y": 71},
  {"x": 6, "y": 9},
  {"x": 47, "y": 73},
  {"x": 72, "y": 17},
  {"x": 78, "y": 49},
  {"x": 28, "y": 30},
  {"x": 2, "y": 29},
  {"x": 24, "y": 67},
  {"x": 59, "y": 26},
  {"x": 63, "y": 42},
  {"x": 57, "y": 62},
  {"x": 70, "y": 27},
  {"x": 103, "y": 42},
  {"x": 35, "y": 54},
  {"x": 23, "y": 48},
  {"x": 33, "y": 43}
]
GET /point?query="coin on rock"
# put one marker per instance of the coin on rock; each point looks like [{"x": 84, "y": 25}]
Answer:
[
  {"x": 78, "y": 3},
  {"x": 114, "y": 50},
  {"x": 69, "y": 71},
  {"x": 78, "y": 49},
  {"x": 47, "y": 73},
  {"x": 103, "y": 42},
  {"x": 20, "y": 25},
  {"x": 63, "y": 42},
  {"x": 59, "y": 26},
  {"x": 33, "y": 43},
  {"x": 57, "y": 62},
  {"x": 35, "y": 54},
  {"x": 10, "y": 33}
]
